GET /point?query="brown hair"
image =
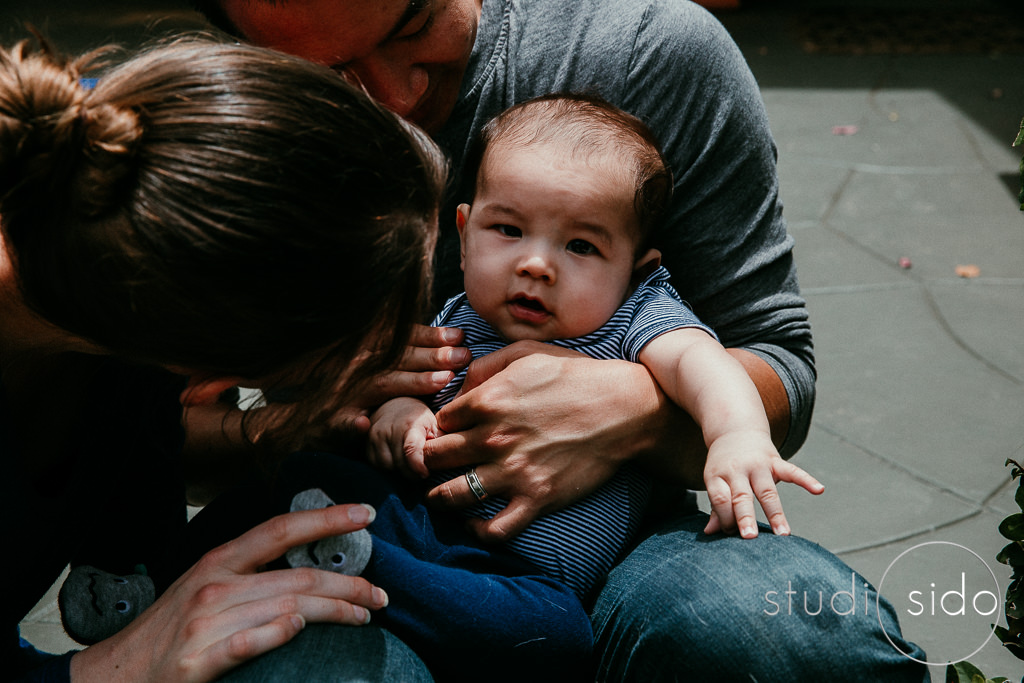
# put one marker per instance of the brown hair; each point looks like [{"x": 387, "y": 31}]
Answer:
[
  {"x": 218, "y": 207},
  {"x": 585, "y": 125}
]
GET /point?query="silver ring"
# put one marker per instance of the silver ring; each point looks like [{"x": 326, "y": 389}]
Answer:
[{"x": 474, "y": 484}]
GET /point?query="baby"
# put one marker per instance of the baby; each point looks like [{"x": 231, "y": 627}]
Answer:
[{"x": 555, "y": 248}]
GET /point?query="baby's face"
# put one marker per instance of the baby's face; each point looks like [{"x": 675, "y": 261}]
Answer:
[{"x": 549, "y": 244}]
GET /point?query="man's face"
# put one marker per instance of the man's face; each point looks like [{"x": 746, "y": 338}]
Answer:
[{"x": 408, "y": 54}]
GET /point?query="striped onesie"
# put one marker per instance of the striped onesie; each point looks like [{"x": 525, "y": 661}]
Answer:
[{"x": 579, "y": 544}]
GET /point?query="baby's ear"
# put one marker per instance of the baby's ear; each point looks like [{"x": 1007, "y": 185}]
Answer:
[
  {"x": 645, "y": 265},
  {"x": 461, "y": 219}
]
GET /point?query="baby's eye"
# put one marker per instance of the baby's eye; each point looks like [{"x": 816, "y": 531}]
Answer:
[
  {"x": 509, "y": 230},
  {"x": 581, "y": 247}
]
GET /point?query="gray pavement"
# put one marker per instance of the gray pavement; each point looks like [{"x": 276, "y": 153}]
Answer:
[{"x": 921, "y": 389}]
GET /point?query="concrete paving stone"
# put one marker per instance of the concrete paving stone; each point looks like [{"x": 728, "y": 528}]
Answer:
[
  {"x": 777, "y": 61},
  {"x": 942, "y": 564},
  {"x": 900, "y": 505},
  {"x": 985, "y": 315},
  {"x": 895, "y": 384},
  {"x": 829, "y": 261},
  {"x": 986, "y": 88},
  {"x": 808, "y": 188},
  {"x": 938, "y": 220},
  {"x": 803, "y": 124},
  {"x": 905, "y": 130}
]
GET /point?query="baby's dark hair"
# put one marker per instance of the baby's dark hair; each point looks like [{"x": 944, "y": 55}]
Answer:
[
  {"x": 221, "y": 208},
  {"x": 584, "y": 125}
]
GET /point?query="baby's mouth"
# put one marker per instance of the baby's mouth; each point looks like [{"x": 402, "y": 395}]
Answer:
[
  {"x": 529, "y": 310},
  {"x": 533, "y": 304}
]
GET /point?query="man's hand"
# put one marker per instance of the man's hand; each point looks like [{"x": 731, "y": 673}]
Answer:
[{"x": 545, "y": 426}]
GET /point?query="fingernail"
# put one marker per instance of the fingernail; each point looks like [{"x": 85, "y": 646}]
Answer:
[
  {"x": 441, "y": 377},
  {"x": 748, "y": 531},
  {"x": 380, "y": 597},
  {"x": 362, "y": 514},
  {"x": 783, "y": 530},
  {"x": 460, "y": 354},
  {"x": 298, "y": 621},
  {"x": 361, "y": 613},
  {"x": 451, "y": 335}
]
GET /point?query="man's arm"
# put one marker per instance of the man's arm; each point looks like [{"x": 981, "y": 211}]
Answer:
[{"x": 550, "y": 426}]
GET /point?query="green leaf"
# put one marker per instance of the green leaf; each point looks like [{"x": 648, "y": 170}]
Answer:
[
  {"x": 1018, "y": 469},
  {"x": 1013, "y": 527},
  {"x": 1012, "y": 554},
  {"x": 1014, "y": 642},
  {"x": 963, "y": 672},
  {"x": 1020, "y": 135},
  {"x": 1019, "y": 496},
  {"x": 1014, "y": 609}
]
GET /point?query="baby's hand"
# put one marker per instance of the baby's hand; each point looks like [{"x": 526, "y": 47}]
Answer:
[
  {"x": 398, "y": 431},
  {"x": 743, "y": 465}
]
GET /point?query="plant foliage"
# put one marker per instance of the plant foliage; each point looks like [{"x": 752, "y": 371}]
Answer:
[
  {"x": 1016, "y": 143},
  {"x": 1012, "y": 529}
]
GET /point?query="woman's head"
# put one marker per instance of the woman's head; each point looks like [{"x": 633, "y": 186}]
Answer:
[{"x": 216, "y": 207}]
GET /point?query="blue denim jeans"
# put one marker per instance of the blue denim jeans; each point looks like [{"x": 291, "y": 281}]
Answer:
[
  {"x": 681, "y": 607},
  {"x": 688, "y": 607},
  {"x": 329, "y": 653}
]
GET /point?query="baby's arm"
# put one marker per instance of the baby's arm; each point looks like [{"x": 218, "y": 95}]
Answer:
[
  {"x": 398, "y": 430},
  {"x": 702, "y": 378}
]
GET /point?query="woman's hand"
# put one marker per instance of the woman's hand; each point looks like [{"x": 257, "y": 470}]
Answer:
[
  {"x": 224, "y": 611},
  {"x": 546, "y": 426},
  {"x": 429, "y": 364}
]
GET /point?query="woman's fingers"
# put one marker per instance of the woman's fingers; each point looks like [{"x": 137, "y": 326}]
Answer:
[
  {"x": 345, "y": 603},
  {"x": 272, "y": 539},
  {"x": 228, "y": 653}
]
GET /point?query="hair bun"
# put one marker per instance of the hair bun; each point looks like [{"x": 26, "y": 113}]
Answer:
[{"x": 56, "y": 138}]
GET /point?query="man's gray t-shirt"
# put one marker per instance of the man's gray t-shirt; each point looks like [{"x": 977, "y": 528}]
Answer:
[{"x": 673, "y": 65}]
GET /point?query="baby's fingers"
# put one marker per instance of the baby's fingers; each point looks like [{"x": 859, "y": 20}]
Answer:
[
  {"x": 768, "y": 496},
  {"x": 733, "y": 505},
  {"x": 788, "y": 472},
  {"x": 714, "y": 525},
  {"x": 413, "y": 463},
  {"x": 378, "y": 451}
]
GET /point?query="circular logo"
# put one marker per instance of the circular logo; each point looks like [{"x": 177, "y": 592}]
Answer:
[{"x": 947, "y": 600}]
